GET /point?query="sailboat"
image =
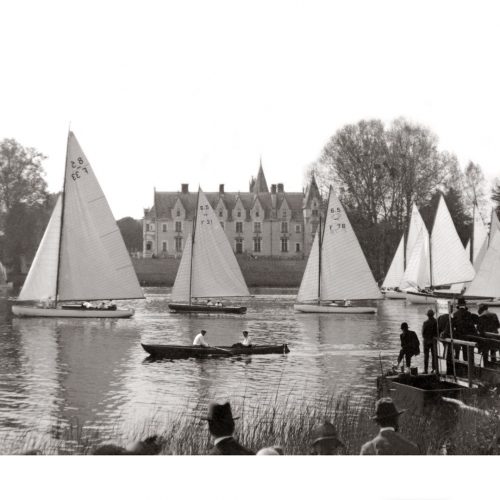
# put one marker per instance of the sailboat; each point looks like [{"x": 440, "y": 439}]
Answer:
[
  {"x": 4, "y": 284},
  {"x": 395, "y": 281},
  {"x": 82, "y": 256},
  {"x": 337, "y": 270},
  {"x": 208, "y": 267},
  {"x": 438, "y": 261}
]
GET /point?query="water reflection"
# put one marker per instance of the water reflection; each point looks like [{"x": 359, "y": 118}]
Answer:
[{"x": 56, "y": 371}]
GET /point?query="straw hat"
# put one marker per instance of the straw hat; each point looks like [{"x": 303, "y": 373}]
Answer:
[{"x": 325, "y": 431}]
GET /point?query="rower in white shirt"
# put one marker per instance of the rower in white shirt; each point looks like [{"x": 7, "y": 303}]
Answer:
[
  {"x": 246, "y": 339},
  {"x": 199, "y": 340}
]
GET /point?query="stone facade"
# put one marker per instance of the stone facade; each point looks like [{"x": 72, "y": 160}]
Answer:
[{"x": 260, "y": 222}]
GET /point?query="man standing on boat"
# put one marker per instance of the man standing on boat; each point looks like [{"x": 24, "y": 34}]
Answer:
[
  {"x": 410, "y": 345},
  {"x": 487, "y": 323},
  {"x": 388, "y": 441},
  {"x": 221, "y": 426},
  {"x": 429, "y": 333},
  {"x": 199, "y": 340},
  {"x": 463, "y": 326}
]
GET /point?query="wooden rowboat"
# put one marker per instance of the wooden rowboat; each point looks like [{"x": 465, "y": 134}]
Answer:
[
  {"x": 184, "y": 351},
  {"x": 203, "y": 308}
]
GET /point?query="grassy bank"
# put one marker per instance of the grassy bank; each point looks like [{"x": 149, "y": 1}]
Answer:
[
  {"x": 262, "y": 272},
  {"x": 288, "y": 425}
]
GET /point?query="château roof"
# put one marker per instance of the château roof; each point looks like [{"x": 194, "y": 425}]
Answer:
[{"x": 259, "y": 185}]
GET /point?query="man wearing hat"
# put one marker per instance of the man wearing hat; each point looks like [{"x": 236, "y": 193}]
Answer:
[
  {"x": 429, "y": 333},
  {"x": 199, "y": 340},
  {"x": 388, "y": 441},
  {"x": 325, "y": 440},
  {"x": 487, "y": 323},
  {"x": 221, "y": 426},
  {"x": 463, "y": 326},
  {"x": 410, "y": 345}
]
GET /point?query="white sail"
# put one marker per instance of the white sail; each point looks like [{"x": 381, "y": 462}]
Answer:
[
  {"x": 3, "y": 274},
  {"x": 94, "y": 262},
  {"x": 345, "y": 273},
  {"x": 396, "y": 270},
  {"x": 41, "y": 282},
  {"x": 494, "y": 226},
  {"x": 180, "y": 290},
  {"x": 309, "y": 285},
  {"x": 480, "y": 239},
  {"x": 449, "y": 260},
  {"x": 487, "y": 280},
  {"x": 416, "y": 225},
  {"x": 417, "y": 272},
  {"x": 214, "y": 270}
]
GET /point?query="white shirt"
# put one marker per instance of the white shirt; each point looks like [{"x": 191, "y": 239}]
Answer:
[
  {"x": 246, "y": 341},
  {"x": 199, "y": 340}
]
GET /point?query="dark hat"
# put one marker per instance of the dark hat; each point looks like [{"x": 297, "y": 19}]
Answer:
[
  {"x": 220, "y": 413},
  {"x": 244, "y": 331},
  {"x": 203, "y": 331},
  {"x": 404, "y": 326},
  {"x": 430, "y": 313},
  {"x": 385, "y": 408},
  {"x": 325, "y": 431},
  {"x": 461, "y": 302},
  {"x": 482, "y": 307}
]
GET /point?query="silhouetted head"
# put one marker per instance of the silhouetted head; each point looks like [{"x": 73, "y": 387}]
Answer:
[
  {"x": 430, "y": 313},
  {"x": 245, "y": 333},
  {"x": 203, "y": 332},
  {"x": 325, "y": 439},
  {"x": 220, "y": 419},
  {"x": 404, "y": 326},
  {"x": 271, "y": 450},
  {"x": 152, "y": 445},
  {"x": 386, "y": 413},
  {"x": 461, "y": 303}
]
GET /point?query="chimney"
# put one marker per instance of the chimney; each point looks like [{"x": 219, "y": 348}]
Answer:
[
  {"x": 280, "y": 188},
  {"x": 273, "y": 188},
  {"x": 184, "y": 188},
  {"x": 221, "y": 188}
]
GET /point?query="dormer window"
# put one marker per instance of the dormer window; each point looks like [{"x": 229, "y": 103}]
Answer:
[
  {"x": 178, "y": 213},
  {"x": 257, "y": 214},
  {"x": 239, "y": 213},
  {"x": 284, "y": 214},
  {"x": 221, "y": 213}
]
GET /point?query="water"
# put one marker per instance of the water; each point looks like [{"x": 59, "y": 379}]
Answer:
[{"x": 94, "y": 372}]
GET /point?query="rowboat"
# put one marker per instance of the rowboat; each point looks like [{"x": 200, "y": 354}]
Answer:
[
  {"x": 183, "y": 351},
  {"x": 203, "y": 308}
]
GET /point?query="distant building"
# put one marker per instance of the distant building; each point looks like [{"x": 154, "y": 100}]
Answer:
[{"x": 258, "y": 223}]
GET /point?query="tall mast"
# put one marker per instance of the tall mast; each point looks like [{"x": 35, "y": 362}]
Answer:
[
  {"x": 472, "y": 232},
  {"x": 320, "y": 241},
  {"x": 63, "y": 203},
  {"x": 192, "y": 245}
]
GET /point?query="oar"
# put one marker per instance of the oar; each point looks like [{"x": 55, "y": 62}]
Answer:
[{"x": 221, "y": 349}]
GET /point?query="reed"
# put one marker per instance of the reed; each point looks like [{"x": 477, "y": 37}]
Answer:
[{"x": 285, "y": 423}]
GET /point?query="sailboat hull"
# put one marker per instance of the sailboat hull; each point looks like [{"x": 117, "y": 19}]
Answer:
[
  {"x": 420, "y": 298},
  {"x": 333, "y": 309},
  {"x": 200, "y": 308},
  {"x": 40, "y": 312},
  {"x": 393, "y": 294}
]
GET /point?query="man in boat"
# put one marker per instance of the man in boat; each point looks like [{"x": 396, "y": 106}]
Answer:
[
  {"x": 410, "y": 345},
  {"x": 245, "y": 342},
  {"x": 87, "y": 305},
  {"x": 463, "y": 326},
  {"x": 487, "y": 323},
  {"x": 429, "y": 333},
  {"x": 325, "y": 439},
  {"x": 199, "y": 340},
  {"x": 388, "y": 441},
  {"x": 221, "y": 426}
]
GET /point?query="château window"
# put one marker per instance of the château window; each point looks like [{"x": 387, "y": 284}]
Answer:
[
  {"x": 178, "y": 213},
  {"x": 257, "y": 245},
  {"x": 221, "y": 213},
  {"x": 284, "y": 227},
  {"x": 164, "y": 228},
  {"x": 315, "y": 212},
  {"x": 239, "y": 227},
  {"x": 178, "y": 226},
  {"x": 284, "y": 244},
  {"x": 297, "y": 247},
  {"x": 239, "y": 245},
  {"x": 257, "y": 214},
  {"x": 298, "y": 228},
  {"x": 284, "y": 214},
  {"x": 164, "y": 246},
  {"x": 239, "y": 213},
  {"x": 178, "y": 244},
  {"x": 314, "y": 227},
  {"x": 149, "y": 246},
  {"x": 256, "y": 227}
]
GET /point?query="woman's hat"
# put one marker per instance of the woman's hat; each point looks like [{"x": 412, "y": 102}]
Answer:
[
  {"x": 220, "y": 413},
  {"x": 385, "y": 408}
]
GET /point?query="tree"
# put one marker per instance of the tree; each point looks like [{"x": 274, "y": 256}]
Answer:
[
  {"x": 21, "y": 175},
  {"x": 131, "y": 230},
  {"x": 495, "y": 195},
  {"x": 475, "y": 185}
]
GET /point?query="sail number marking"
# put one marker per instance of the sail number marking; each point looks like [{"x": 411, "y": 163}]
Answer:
[
  {"x": 79, "y": 168},
  {"x": 336, "y": 214},
  {"x": 204, "y": 212}
]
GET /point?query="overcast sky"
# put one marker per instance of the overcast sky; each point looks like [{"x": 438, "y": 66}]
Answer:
[{"x": 160, "y": 93}]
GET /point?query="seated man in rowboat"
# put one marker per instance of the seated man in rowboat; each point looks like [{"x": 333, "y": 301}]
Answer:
[
  {"x": 246, "y": 342},
  {"x": 199, "y": 340}
]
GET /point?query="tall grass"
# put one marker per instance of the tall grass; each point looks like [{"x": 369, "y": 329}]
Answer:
[{"x": 286, "y": 424}]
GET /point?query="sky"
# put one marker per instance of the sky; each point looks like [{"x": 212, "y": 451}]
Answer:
[{"x": 161, "y": 93}]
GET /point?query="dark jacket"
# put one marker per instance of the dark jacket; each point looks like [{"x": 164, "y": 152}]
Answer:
[
  {"x": 410, "y": 343},
  {"x": 429, "y": 330},
  {"x": 463, "y": 324},
  {"x": 444, "y": 325},
  {"x": 389, "y": 442},
  {"x": 488, "y": 322},
  {"x": 230, "y": 446}
]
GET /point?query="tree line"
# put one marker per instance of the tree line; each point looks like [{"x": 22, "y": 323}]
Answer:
[{"x": 379, "y": 171}]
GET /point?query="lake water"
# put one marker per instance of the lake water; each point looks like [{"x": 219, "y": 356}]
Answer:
[{"x": 54, "y": 372}]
